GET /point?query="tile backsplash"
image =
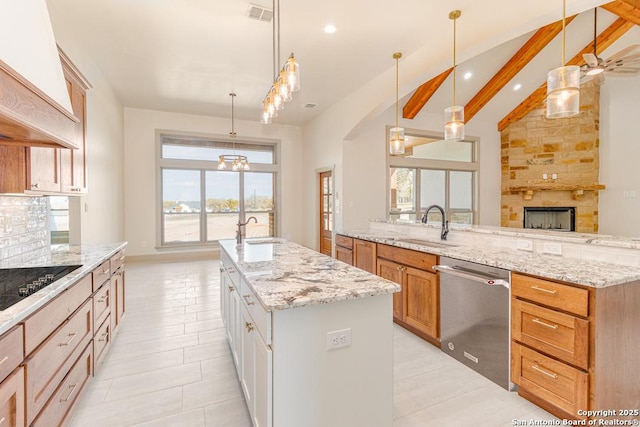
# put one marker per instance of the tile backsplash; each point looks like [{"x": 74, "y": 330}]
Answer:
[{"x": 24, "y": 225}]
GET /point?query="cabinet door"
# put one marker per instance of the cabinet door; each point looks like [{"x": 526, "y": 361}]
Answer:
[
  {"x": 422, "y": 301},
  {"x": 263, "y": 370},
  {"x": 233, "y": 332},
  {"x": 247, "y": 358},
  {"x": 364, "y": 255},
  {"x": 118, "y": 301},
  {"x": 224, "y": 298},
  {"x": 43, "y": 169},
  {"x": 392, "y": 271},
  {"x": 12, "y": 400},
  {"x": 344, "y": 255}
]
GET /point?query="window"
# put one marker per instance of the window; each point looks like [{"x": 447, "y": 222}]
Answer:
[
  {"x": 201, "y": 204},
  {"x": 433, "y": 172}
]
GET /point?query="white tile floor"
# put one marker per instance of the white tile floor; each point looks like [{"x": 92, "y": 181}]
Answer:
[{"x": 170, "y": 365}]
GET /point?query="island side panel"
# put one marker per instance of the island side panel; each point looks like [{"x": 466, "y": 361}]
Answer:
[{"x": 349, "y": 386}]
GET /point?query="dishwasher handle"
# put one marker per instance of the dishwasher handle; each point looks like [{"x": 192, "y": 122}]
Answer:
[{"x": 472, "y": 275}]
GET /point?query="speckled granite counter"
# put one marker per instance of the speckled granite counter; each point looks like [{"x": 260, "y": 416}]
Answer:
[
  {"x": 87, "y": 256},
  {"x": 286, "y": 275},
  {"x": 585, "y": 272}
]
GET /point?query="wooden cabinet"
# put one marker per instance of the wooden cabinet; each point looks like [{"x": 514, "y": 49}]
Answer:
[
  {"x": 43, "y": 169},
  {"x": 417, "y": 306},
  {"x": 344, "y": 249},
  {"x": 117, "y": 292},
  {"x": 12, "y": 400},
  {"x": 556, "y": 359},
  {"x": 365, "y": 255},
  {"x": 11, "y": 351}
]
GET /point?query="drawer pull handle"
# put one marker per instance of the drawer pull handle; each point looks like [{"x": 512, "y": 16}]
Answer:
[
  {"x": 540, "y": 322},
  {"x": 2, "y": 420},
  {"x": 104, "y": 337},
  {"x": 71, "y": 337},
  {"x": 552, "y": 292},
  {"x": 249, "y": 326},
  {"x": 231, "y": 289},
  {"x": 104, "y": 298},
  {"x": 105, "y": 271},
  {"x": 246, "y": 298},
  {"x": 4, "y": 360},
  {"x": 121, "y": 258},
  {"x": 73, "y": 388},
  {"x": 542, "y": 371}
]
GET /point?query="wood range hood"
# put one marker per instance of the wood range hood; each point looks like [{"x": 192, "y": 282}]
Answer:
[{"x": 28, "y": 116}]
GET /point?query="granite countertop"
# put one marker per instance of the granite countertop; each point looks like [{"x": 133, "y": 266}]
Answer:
[
  {"x": 286, "y": 275},
  {"x": 584, "y": 272},
  {"x": 87, "y": 256}
]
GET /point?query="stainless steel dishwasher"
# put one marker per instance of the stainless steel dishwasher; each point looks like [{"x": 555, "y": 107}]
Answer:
[{"x": 474, "y": 317}]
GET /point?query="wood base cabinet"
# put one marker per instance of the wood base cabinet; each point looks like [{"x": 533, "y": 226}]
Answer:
[
  {"x": 365, "y": 255},
  {"x": 556, "y": 359},
  {"x": 12, "y": 400},
  {"x": 344, "y": 249}
]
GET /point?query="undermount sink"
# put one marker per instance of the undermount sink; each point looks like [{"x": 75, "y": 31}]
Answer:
[
  {"x": 267, "y": 241},
  {"x": 424, "y": 242}
]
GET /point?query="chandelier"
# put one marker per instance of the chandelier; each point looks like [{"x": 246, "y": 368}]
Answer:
[
  {"x": 237, "y": 161},
  {"x": 286, "y": 81}
]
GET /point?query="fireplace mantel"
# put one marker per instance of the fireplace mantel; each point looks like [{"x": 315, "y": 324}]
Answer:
[{"x": 577, "y": 189}]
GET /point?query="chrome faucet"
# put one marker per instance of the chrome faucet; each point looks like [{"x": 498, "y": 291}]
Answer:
[
  {"x": 240, "y": 232},
  {"x": 445, "y": 223}
]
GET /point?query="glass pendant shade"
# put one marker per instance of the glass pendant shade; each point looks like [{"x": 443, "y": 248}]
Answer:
[
  {"x": 396, "y": 141},
  {"x": 265, "y": 117},
  {"x": 278, "y": 103},
  {"x": 454, "y": 123},
  {"x": 221, "y": 164},
  {"x": 563, "y": 92},
  {"x": 292, "y": 71},
  {"x": 283, "y": 88}
]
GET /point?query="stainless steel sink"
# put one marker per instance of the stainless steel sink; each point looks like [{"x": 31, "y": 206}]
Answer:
[{"x": 423, "y": 242}]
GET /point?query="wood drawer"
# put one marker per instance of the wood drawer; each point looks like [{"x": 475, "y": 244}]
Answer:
[
  {"x": 260, "y": 316},
  {"x": 560, "y": 385},
  {"x": 101, "y": 305},
  {"x": 557, "y": 334},
  {"x": 46, "y": 320},
  {"x": 416, "y": 259},
  {"x": 117, "y": 261},
  {"x": 101, "y": 274},
  {"x": 11, "y": 351},
  {"x": 12, "y": 400},
  {"x": 345, "y": 242},
  {"x": 101, "y": 341},
  {"x": 49, "y": 364},
  {"x": 563, "y": 297},
  {"x": 65, "y": 396}
]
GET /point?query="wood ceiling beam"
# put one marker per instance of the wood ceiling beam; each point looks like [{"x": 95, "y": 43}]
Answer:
[
  {"x": 627, "y": 9},
  {"x": 604, "y": 40},
  {"x": 525, "y": 54},
  {"x": 424, "y": 92}
]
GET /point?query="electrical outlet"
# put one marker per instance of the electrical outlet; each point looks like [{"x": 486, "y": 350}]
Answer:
[
  {"x": 338, "y": 339},
  {"x": 552, "y": 248},
  {"x": 525, "y": 245}
]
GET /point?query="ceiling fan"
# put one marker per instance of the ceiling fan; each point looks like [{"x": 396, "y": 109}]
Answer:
[{"x": 626, "y": 62}]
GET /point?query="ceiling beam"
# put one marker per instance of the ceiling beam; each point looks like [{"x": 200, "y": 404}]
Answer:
[
  {"x": 424, "y": 92},
  {"x": 627, "y": 9},
  {"x": 527, "y": 52},
  {"x": 604, "y": 40}
]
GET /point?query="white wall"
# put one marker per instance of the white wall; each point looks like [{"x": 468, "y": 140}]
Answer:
[
  {"x": 140, "y": 169},
  {"x": 101, "y": 211},
  {"x": 619, "y": 156}
]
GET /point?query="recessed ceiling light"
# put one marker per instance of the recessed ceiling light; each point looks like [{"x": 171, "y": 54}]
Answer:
[
  {"x": 330, "y": 29},
  {"x": 517, "y": 86},
  {"x": 468, "y": 75}
]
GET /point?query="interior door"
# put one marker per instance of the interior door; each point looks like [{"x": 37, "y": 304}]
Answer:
[{"x": 326, "y": 212}]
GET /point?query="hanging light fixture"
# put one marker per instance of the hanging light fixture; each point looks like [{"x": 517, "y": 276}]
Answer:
[
  {"x": 286, "y": 81},
  {"x": 563, "y": 85},
  {"x": 396, "y": 134},
  {"x": 454, "y": 115},
  {"x": 237, "y": 161}
]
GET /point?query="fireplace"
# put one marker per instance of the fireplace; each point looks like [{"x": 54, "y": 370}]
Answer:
[{"x": 550, "y": 218}]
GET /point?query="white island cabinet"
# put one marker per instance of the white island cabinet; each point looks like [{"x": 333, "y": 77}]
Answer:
[{"x": 311, "y": 337}]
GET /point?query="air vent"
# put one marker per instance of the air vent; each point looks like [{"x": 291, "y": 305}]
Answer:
[
  {"x": 310, "y": 105},
  {"x": 259, "y": 13}
]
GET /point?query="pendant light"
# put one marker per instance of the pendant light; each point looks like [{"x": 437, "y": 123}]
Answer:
[
  {"x": 238, "y": 161},
  {"x": 454, "y": 115},
  {"x": 563, "y": 85},
  {"x": 396, "y": 134}
]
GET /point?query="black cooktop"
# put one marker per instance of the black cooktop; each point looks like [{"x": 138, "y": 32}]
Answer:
[{"x": 18, "y": 283}]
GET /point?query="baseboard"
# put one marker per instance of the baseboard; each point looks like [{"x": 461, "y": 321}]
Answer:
[{"x": 212, "y": 254}]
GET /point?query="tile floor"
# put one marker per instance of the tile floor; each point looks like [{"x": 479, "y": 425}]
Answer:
[{"x": 170, "y": 365}]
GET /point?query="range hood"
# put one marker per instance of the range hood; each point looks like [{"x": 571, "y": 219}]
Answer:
[{"x": 35, "y": 108}]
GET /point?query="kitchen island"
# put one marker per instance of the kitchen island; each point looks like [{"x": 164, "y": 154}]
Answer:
[{"x": 311, "y": 337}]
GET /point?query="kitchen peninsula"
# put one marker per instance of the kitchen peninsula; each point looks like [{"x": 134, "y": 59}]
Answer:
[
  {"x": 311, "y": 337},
  {"x": 574, "y": 301}
]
